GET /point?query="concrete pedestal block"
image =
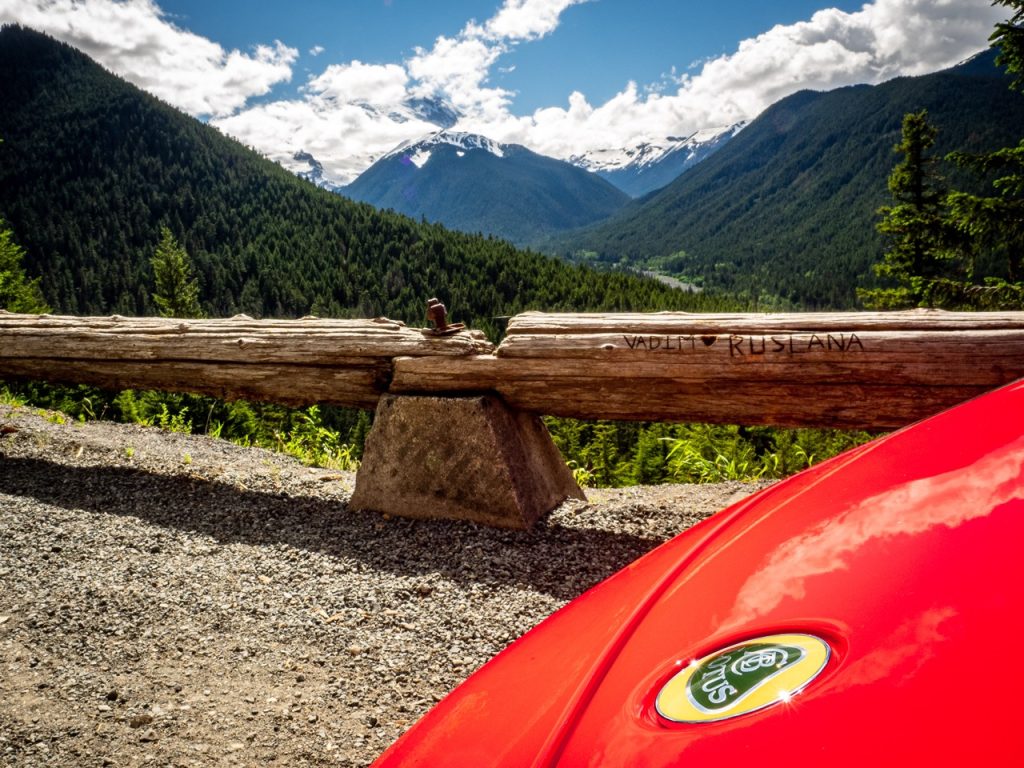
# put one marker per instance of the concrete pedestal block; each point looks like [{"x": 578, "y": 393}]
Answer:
[{"x": 465, "y": 458}]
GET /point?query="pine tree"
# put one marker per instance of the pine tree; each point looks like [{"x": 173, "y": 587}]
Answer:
[
  {"x": 177, "y": 291},
  {"x": 603, "y": 455},
  {"x": 916, "y": 225},
  {"x": 995, "y": 222},
  {"x": 17, "y": 292},
  {"x": 1008, "y": 37},
  {"x": 650, "y": 460}
]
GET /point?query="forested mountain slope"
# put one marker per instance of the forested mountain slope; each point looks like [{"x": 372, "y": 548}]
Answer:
[
  {"x": 470, "y": 183},
  {"x": 91, "y": 167},
  {"x": 786, "y": 210}
]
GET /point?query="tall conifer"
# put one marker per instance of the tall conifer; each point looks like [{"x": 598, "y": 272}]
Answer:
[
  {"x": 17, "y": 292},
  {"x": 177, "y": 291},
  {"x": 916, "y": 224}
]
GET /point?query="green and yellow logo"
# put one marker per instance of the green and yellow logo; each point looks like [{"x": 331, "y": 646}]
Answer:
[{"x": 743, "y": 678}]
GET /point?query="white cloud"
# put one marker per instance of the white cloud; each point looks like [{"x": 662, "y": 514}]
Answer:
[
  {"x": 884, "y": 39},
  {"x": 458, "y": 68},
  {"x": 354, "y": 113},
  {"x": 526, "y": 19},
  {"x": 345, "y": 138},
  {"x": 316, "y": 50},
  {"x": 134, "y": 39},
  {"x": 382, "y": 85},
  {"x": 351, "y": 113}
]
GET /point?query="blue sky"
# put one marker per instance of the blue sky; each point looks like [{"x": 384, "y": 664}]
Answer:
[
  {"x": 342, "y": 79},
  {"x": 598, "y": 48}
]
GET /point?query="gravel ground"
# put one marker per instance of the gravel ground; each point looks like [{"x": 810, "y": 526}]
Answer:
[{"x": 175, "y": 600}]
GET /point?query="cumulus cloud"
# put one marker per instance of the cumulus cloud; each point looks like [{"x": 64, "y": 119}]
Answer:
[
  {"x": 345, "y": 138},
  {"x": 351, "y": 113},
  {"x": 354, "y": 113},
  {"x": 458, "y": 68},
  {"x": 833, "y": 48},
  {"x": 135, "y": 39},
  {"x": 379, "y": 84},
  {"x": 526, "y": 19}
]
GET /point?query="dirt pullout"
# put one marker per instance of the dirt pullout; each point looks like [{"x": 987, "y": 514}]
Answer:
[{"x": 177, "y": 600}]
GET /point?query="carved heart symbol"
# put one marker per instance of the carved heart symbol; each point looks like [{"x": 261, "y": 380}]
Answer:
[{"x": 708, "y": 340}]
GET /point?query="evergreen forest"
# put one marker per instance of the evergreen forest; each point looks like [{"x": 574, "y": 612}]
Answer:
[
  {"x": 92, "y": 169},
  {"x": 784, "y": 215}
]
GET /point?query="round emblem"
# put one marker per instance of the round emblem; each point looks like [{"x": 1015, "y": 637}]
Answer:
[{"x": 743, "y": 678}]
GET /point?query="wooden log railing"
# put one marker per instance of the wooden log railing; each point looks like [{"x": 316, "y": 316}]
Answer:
[
  {"x": 853, "y": 370},
  {"x": 294, "y": 362},
  {"x": 847, "y": 369}
]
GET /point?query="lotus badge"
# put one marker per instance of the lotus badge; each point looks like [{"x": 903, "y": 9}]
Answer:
[{"x": 743, "y": 678}]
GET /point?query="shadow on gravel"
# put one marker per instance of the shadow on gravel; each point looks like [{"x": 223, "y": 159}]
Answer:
[{"x": 550, "y": 558}]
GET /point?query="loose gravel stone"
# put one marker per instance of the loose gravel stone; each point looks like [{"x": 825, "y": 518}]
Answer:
[{"x": 230, "y": 608}]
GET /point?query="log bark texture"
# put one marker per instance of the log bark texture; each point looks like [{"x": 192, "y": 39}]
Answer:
[
  {"x": 850, "y": 370},
  {"x": 341, "y": 362}
]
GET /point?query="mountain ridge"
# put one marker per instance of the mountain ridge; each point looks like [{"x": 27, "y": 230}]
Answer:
[
  {"x": 648, "y": 166},
  {"x": 472, "y": 183},
  {"x": 91, "y": 168},
  {"x": 785, "y": 212}
]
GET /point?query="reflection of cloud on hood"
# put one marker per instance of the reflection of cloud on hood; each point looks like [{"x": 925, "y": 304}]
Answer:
[
  {"x": 912, "y": 644},
  {"x": 134, "y": 39},
  {"x": 947, "y": 500}
]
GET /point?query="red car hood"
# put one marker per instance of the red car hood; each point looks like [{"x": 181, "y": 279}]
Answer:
[{"x": 903, "y": 556}]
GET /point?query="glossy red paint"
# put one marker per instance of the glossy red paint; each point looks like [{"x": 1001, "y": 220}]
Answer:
[{"x": 904, "y": 555}]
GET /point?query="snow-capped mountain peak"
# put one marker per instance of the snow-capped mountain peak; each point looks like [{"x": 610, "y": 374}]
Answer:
[
  {"x": 636, "y": 170},
  {"x": 418, "y": 151},
  {"x": 649, "y": 165},
  {"x": 649, "y": 153},
  {"x": 311, "y": 169}
]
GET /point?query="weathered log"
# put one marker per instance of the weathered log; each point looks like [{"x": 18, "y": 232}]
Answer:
[
  {"x": 598, "y": 392},
  {"x": 354, "y": 386},
  {"x": 851, "y": 370},
  {"x": 867, "y": 370},
  {"x": 752, "y": 322},
  {"x": 341, "y": 362},
  {"x": 239, "y": 339}
]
